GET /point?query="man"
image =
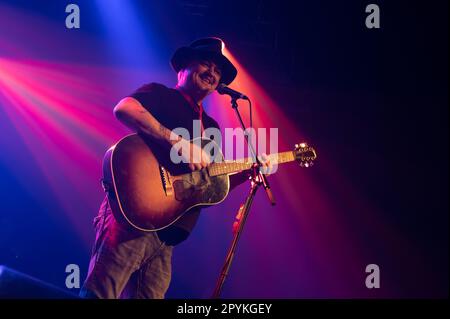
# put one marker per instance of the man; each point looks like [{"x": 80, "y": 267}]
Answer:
[{"x": 132, "y": 264}]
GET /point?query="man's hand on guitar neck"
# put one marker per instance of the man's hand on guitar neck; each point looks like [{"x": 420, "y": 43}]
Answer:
[
  {"x": 242, "y": 177},
  {"x": 266, "y": 166}
]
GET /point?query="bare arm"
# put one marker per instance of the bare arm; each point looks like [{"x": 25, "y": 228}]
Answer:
[{"x": 130, "y": 112}]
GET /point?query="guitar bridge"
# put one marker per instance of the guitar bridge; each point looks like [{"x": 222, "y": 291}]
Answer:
[{"x": 166, "y": 181}]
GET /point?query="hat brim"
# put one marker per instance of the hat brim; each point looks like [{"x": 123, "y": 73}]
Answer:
[{"x": 185, "y": 55}]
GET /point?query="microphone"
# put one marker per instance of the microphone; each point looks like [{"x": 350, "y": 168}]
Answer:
[{"x": 223, "y": 89}]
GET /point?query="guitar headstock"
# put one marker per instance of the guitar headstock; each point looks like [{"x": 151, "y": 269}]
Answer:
[{"x": 304, "y": 154}]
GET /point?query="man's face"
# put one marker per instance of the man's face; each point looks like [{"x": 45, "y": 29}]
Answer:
[{"x": 203, "y": 75}]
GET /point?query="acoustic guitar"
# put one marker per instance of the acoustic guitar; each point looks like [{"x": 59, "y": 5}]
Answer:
[{"x": 148, "y": 191}]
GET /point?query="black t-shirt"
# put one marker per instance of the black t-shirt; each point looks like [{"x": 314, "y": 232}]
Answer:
[{"x": 172, "y": 110}]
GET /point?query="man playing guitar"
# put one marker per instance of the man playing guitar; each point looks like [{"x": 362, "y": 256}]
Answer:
[{"x": 126, "y": 262}]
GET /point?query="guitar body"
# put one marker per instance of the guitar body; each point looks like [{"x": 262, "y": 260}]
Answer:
[{"x": 148, "y": 191}]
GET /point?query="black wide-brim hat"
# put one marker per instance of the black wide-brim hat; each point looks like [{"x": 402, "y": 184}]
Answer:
[{"x": 206, "y": 48}]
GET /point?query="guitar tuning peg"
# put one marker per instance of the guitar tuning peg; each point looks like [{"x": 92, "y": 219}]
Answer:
[
  {"x": 296, "y": 145},
  {"x": 306, "y": 164}
]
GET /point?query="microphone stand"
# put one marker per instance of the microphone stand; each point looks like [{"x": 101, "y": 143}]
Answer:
[{"x": 256, "y": 179}]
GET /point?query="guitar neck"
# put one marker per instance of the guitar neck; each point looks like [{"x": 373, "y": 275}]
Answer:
[{"x": 230, "y": 167}]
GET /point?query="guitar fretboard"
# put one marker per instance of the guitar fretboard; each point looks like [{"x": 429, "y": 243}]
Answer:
[{"x": 228, "y": 167}]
